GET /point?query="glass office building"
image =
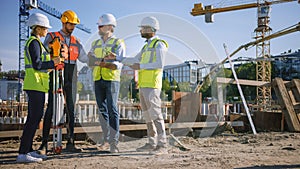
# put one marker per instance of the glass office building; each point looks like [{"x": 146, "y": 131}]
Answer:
[
  {"x": 189, "y": 71},
  {"x": 287, "y": 65}
]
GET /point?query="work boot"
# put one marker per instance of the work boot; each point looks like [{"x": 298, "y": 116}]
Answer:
[
  {"x": 146, "y": 147},
  {"x": 113, "y": 148},
  {"x": 103, "y": 147},
  {"x": 71, "y": 147},
  {"x": 159, "y": 150},
  {"x": 43, "y": 148}
]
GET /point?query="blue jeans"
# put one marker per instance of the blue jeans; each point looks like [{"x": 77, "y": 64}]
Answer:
[{"x": 107, "y": 93}]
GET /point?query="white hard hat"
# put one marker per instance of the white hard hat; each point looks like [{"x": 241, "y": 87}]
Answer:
[
  {"x": 107, "y": 19},
  {"x": 39, "y": 20},
  {"x": 150, "y": 21}
]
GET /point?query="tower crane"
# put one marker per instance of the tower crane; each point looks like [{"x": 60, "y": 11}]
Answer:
[
  {"x": 263, "y": 66},
  {"x": 25, "y": 7}
]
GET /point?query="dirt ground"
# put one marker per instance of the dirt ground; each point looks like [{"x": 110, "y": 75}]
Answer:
[{"x": 263, "y": 150}]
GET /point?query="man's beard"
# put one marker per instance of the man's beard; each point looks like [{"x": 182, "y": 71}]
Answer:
[
  {"x": 101, "y": 33},
  {"x": 69, "y": 31},
  {"x": 146, "y": 35}
]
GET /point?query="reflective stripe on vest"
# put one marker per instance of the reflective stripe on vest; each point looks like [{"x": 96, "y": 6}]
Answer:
[
  {"x": 150, "y": 78},
  {"x": 37, "y": 80},
  {"x": 73, "y": 47},
  {"x": 101, "y": 50}
]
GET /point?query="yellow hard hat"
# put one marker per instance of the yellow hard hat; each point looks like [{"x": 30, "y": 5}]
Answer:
[{"x": 69, "y": 16}]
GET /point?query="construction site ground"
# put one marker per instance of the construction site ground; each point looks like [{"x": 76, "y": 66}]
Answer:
[{"x": 226, "y": 150}]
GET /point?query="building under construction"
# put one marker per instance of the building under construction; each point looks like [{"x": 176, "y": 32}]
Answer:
[{"x": 187, "y": 110}]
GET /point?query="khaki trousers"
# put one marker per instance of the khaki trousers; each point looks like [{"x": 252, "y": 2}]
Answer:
[{"x": 151, "y": 108}]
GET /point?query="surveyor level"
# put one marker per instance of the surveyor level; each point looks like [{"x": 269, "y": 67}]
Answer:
[{"x": 58, "y": 97}]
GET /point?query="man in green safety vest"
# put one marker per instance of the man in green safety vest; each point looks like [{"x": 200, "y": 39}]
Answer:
[
  {"x": 105, "y": 56},
  {"x": 150, "y": 69}
]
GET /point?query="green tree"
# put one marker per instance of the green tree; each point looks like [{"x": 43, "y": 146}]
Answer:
[
  {"x": 125, "y": 87},
  {"x": 184, "y": 87},
  {"x": 79, "y": 87},
  {"x": 166, "y": 89},
  {"x": 244, "y": 71},
  {"x": 248, "y": 71},
  {"x": 165, "y": 85}
]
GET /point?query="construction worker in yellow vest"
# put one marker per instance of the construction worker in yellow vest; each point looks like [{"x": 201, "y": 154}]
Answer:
[
  {"x": 36, "y": 84},
  {"x": 106, "y": 55},
  {"x": 150, "y": 69}
]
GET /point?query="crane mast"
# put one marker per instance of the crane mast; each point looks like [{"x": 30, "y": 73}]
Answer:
[
  {"x": 23, "y": 36},
  {"x": 263, "y": 66}
]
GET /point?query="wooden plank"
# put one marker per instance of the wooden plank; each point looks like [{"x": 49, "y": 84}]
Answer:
[
  {"x": 286, "y": 104},
  {"x": 242, "y": 82},
  {"x": 294, "y": 92},
  {"x": 127, "y": 127},
  {"x": 11, "y": 133},
  {"x": 297, "y": 109},
  {"x": 289, "y": 87},
  {"x": 297, "y": 106},
  {"x": 18, "y": 133},
  {"x": 296, "y": 89}
]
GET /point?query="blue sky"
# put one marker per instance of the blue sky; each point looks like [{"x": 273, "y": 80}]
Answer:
[{"x": 189, "y": 37}]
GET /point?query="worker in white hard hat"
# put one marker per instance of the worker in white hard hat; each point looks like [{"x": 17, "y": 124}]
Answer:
[
  {"x": 150, "y": 69},
  {"x": 74, "y": 51},
  {"x": 37, "y": 63},
  {"x": 106, "y": 54}
]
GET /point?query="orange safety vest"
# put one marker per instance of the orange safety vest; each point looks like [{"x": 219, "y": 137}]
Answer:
[{"x": 73, "y": 47}]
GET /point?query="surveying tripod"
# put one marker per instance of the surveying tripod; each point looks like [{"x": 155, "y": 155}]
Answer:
[{"x": 58, "y": 97}]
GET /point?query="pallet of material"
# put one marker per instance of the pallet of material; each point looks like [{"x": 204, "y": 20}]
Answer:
[{"x": 288, "y": 95}]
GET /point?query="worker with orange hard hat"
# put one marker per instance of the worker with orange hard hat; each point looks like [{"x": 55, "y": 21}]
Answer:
[{"x": 74, "y": 51}]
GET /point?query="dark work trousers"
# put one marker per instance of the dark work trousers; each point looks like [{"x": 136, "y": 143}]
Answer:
[
  {"x": 70, "y": 91},
  {"x": 36, "y": 101},
  {"x": 70, "y": 88},
  {"x": 49, "y": 111}
]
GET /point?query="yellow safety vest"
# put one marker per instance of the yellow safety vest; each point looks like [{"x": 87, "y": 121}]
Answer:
[
  {"x": 100, "y": 52},
  {"x": 37, "y": 80},
  {"x": 150, "y": 78}
]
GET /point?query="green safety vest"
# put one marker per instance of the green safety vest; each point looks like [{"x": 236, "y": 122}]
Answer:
[
  {"x": 150, "y": 78},
  {"x": 100, "y": 52},
  {"x": 37, "y": 80}
]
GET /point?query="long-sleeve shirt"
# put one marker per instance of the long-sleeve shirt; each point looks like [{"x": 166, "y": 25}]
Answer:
[
  {"x": 82, "y": 54},
  {"x": 161, "y": 51},
  {"x": 35, "y": 54},
  {"x": 120, "y": 52}
]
